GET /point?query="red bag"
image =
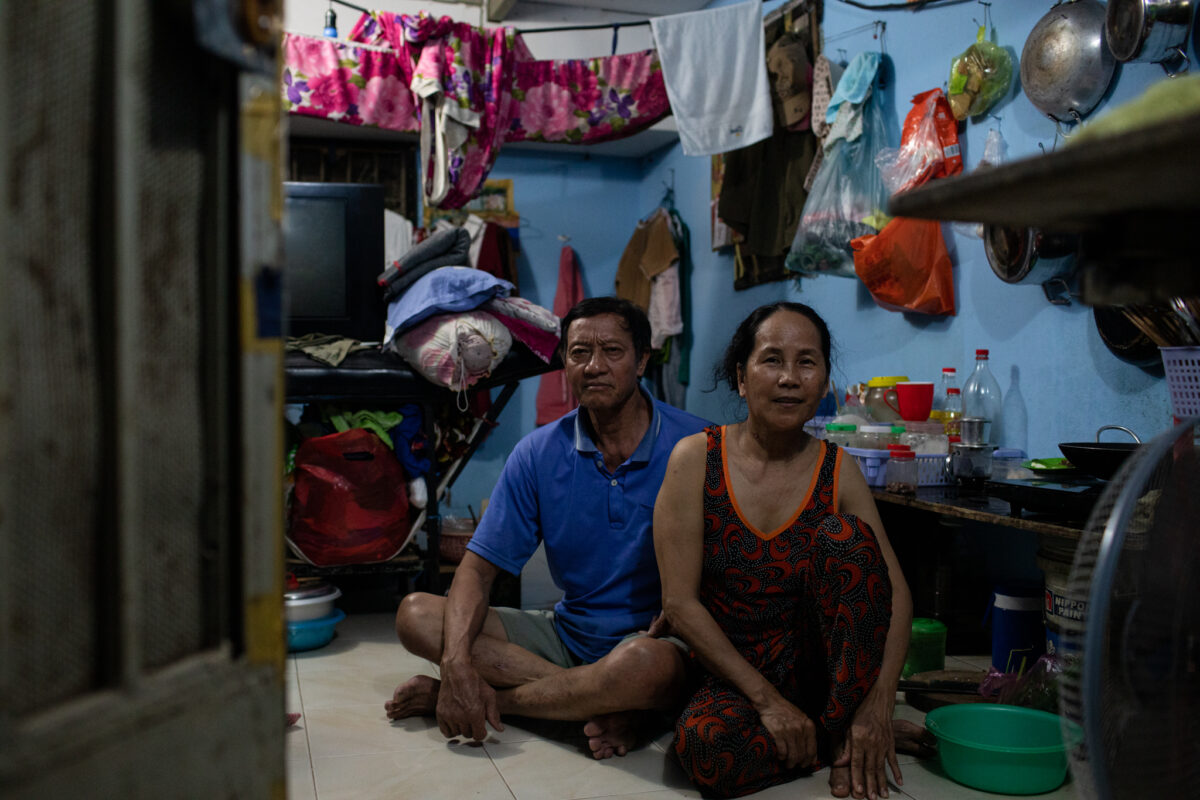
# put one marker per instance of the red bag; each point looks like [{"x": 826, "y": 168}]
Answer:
[
  {"x": 906, "y": 266},
  {"x": 349, "y": 504}
]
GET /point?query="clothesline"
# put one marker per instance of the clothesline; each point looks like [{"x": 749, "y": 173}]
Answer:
[{"x": 553, "y": 29}]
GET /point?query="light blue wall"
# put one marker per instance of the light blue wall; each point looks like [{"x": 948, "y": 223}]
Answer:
[{"x": 1052, "y": 356}]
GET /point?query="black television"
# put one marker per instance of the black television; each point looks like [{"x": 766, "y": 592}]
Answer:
[{"x": 333, "y": 253}]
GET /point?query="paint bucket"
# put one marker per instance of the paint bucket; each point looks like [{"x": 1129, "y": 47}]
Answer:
[
  {"x": 1064, "y": 611},
  {"x": 1018, "y": 633}
]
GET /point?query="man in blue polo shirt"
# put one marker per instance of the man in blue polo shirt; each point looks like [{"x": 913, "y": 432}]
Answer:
[{"x": 584, "y": 485}]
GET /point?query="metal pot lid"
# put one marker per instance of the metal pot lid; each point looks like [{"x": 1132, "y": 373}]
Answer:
[
  {"x": 1009, "y": 251},
  {"x": 1129, "y": 24},
  {"x": 1125, "y": 26},
  {"x": 312, "y": 591},
  {"x": 1066, "y": 65}
]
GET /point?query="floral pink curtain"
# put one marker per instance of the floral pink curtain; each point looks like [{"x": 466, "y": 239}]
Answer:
[{"x": 487, "y": 80}]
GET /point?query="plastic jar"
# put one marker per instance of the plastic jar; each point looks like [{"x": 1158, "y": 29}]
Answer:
[
  {"x": 900, "y": 476},
  {"x": 879, "y": 398},
  {"x": 876, "y": 437},
  {"x": 841, "y": 434}
]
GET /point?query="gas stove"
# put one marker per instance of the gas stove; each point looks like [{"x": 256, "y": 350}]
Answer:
[{"x": 1068, "y": 500}]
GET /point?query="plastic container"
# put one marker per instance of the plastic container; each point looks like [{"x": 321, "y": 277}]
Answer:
[
  {"x": 901, "y": 472},
  {"x": 1006, "y": 464},
  {"x": 879, "y": 398},
  {"x": 999, "y": 748},
  {"x": 925, "y": 438},
  {"x": 926, "y": 647},
  {"x": 1018, "y": 633},
  {"x": 1064, "y": 612},
  {"x": 840, "y": 434},
  {"x": 876, "y": 437},
  {"x": 931, "y": 469},
  {"x": 1182, "y": 365},
  {"x": 310, "y": 634},
  {"x": 310, "y": 601}
]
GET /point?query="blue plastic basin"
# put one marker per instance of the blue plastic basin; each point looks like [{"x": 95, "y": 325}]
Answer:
[{"x": 310, "y": 634}]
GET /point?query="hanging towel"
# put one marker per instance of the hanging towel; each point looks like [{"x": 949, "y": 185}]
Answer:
[
  {"x": 714, "y": 65},
  {"x": 554, "y": 396}
]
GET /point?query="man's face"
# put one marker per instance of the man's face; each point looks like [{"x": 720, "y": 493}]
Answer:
[{"x": 602, "y": 368}]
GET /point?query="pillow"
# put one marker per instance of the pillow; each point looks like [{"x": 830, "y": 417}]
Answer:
[
  {"x": 445, "y": 289},
  {"x": 454, "y": 350}
]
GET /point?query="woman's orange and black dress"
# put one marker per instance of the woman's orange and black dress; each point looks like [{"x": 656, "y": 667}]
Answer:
[{"x": 808, "y": 605}]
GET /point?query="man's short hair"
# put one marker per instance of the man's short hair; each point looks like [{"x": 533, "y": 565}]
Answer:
[{"x": 635, "y": 319}]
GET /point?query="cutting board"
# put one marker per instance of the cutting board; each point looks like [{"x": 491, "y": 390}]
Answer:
[{"x": 927, "y": 701}]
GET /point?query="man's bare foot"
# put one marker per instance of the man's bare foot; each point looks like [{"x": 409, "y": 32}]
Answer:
[
  {"x": 611, "y": 734},
  {"x": 913, "y": 740},
  {"x": 415, "y": 697}
]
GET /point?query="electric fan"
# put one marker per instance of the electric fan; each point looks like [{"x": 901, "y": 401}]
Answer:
[{"x": 1131, "y": 702}]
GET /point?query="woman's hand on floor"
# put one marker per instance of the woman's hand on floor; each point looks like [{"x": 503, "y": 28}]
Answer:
[
  {"x": 868, "y": 747},
  {"x": 794, "y": 733}
]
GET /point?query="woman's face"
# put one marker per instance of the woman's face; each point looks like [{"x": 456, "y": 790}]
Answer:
[{"x": 785, "y": 377}]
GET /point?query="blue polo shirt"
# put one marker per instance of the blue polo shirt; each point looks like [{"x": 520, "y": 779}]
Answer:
[{"x": 596, "y": 524}]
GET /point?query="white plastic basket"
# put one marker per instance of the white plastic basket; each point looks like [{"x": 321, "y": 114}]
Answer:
[
  {"x": 931, "y": 468},
  {"x": 1183, "y": 379}
]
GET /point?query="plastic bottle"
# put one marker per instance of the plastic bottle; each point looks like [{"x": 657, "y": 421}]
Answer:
[
  {"x": 949, "y": 380},
  {"x": 981, "y": 396},
  {"x": 952, "y": 413}
]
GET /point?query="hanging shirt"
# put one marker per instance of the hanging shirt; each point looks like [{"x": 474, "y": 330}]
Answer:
[{"x": 650, "y": 251}]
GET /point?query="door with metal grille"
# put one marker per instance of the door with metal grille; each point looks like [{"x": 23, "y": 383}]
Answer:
[{"x": 141, "y": 644}]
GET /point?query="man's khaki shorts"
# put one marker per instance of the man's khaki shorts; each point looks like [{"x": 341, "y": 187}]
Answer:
[{"x": 534, "y": 630}]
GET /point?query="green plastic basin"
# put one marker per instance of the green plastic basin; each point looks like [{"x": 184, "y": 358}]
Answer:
[{"x": 998, "y": 748}]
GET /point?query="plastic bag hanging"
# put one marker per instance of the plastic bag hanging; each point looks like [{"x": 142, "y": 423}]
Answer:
[
  {"x": 848, "y": 198},
  {"x": 928, "y": 147},
  {"x": 979, "y": 77}
]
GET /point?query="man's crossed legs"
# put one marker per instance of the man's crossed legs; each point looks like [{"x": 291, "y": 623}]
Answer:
[{"x": 640, "y": 674}]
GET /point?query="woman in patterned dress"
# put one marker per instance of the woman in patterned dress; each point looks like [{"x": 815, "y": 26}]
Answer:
[{"x": 777, "y": 572}]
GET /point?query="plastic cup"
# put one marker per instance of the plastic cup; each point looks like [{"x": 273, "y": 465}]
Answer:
[{"x": 915, "y": 399}]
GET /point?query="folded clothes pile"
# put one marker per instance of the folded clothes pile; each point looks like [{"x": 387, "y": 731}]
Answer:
[{"x": 448, "y": 248}]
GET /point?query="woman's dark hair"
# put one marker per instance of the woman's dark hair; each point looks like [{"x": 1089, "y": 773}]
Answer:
[
  {"x": 635, "y": 320},
  {"x": 742, "y": 344}
]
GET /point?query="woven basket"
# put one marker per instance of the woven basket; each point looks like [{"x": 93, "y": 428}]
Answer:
[{"x": 452, "y": 545}]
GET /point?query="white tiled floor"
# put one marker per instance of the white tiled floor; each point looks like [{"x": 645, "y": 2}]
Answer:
[{"x": 345, "y": 747}]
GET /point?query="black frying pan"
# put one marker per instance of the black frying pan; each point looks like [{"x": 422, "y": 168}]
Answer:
[{"x": 1098, "y": 459}]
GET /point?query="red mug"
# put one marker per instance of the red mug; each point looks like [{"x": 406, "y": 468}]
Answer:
[{"x": 915, "y": 399}]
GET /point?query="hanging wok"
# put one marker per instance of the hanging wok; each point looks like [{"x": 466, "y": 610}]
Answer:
[
  {"x": 1066, "y": 65},
  {"x": 1100, "y": 459}
]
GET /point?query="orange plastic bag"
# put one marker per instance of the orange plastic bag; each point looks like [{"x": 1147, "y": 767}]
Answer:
[{"x": 906, "y": 267}]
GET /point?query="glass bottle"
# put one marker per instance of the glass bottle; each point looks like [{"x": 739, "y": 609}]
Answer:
[{"x": 981, "y": 395}]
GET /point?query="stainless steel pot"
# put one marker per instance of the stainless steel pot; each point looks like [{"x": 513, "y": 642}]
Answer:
[
  {"x": 1149, "y": 30},
  {"x": 1066, "y": 65},
  {"x": 1028, "y": 255}
]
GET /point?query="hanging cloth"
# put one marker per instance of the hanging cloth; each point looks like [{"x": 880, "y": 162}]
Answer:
[
  {"x": 714, "y": 65},
  {"x": 554, "y": 397},
  {"x": 483, "y": 86}
]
